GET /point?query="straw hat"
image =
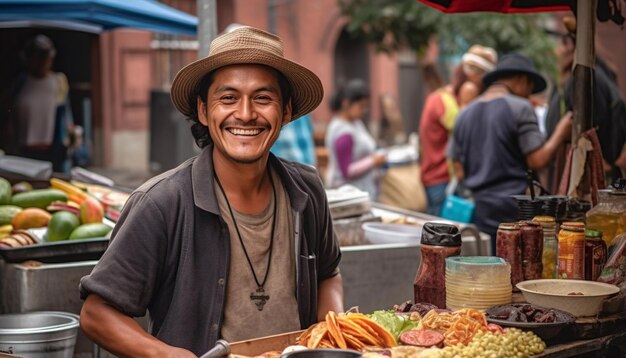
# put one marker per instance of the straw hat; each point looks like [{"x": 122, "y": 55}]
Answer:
[
  {"x": 248, "y": 45},
  {"x": 482, "y": 57},
  {"x": 515, "y": 63}
]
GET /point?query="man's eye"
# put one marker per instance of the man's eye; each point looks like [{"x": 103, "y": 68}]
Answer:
[
  {"x": 227, "y": 98},
  {"x": 263, "y": 99}
]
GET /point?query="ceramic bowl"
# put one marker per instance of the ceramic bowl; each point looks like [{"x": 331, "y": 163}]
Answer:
[{"x": 554, "y": 293}]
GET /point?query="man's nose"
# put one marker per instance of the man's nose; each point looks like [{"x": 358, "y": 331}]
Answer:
[{"x": 245, "y": 110}]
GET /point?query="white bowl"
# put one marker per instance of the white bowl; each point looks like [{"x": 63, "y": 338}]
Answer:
[
  {"x": 553, "y": 293},
  {"x": 388, "y": 233}
]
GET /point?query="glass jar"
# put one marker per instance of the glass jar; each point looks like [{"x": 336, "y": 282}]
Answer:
[
  {"x": 550, "y": 246},
  {"x": 438, "y": 242},
  {"x": 509, "y": 247},
  {"x": 572, "y": 251},
  {"x": 609, "y": 216},
  {"x": 532, "y": 249}
]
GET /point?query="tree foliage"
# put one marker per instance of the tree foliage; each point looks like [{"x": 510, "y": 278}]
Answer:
[{"x": 394, "y": 24}]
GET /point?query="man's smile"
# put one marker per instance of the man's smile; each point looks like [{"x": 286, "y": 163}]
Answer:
[{"x": 247, "y": 132}]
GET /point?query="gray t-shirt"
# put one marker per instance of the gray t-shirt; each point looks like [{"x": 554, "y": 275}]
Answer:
[{"x": 491, "y": 140}]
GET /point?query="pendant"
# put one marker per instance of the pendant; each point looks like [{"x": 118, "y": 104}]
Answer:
[{"x": 259, "y": 298}]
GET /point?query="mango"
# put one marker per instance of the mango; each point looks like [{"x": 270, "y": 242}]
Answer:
[
  {"x": 91, "y": 211},
  {"x": 5, "y": 192},
  {"x": 89, "y": 231},
  {"x": 61, "y": 225},
  {"x": 31, "y": 218}
]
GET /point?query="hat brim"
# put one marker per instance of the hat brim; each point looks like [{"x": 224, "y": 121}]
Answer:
[
  {"x": 539, "y": 83},
  {"x": 306, "y": 88}
]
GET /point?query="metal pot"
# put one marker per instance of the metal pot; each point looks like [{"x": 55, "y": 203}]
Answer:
[{"x": 45, "y": 334}]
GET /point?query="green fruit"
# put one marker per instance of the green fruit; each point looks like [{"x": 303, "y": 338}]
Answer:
[
  {"x": 5, "y": 192},
  {"x": 88, "y": 231},
  {"x": 39, "y": 198},
  {"x": 7, "y": 212},
  {"x": 21, "y": 187},
  {"x": 62, "y": 224}
]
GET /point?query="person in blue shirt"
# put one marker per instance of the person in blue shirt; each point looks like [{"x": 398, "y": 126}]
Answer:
[{"x": 295, "y": 142}]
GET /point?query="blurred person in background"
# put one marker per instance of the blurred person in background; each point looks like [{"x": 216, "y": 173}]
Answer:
[
  {"x": 41, "y": 120},
  {"x": 296, "y": 142},
  {"x": 436, "y": 123},
  {"x": 497, "y": 139},
  {"x": 609, "y": 107},
  {"x": 476, "y": 62},
  {"x": 352, "y": 156}
]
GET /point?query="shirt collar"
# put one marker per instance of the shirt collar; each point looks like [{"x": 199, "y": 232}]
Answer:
[{"x": 204, "y": 194}]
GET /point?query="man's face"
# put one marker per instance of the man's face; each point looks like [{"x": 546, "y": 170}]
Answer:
[{"x": 244, "y": 112}]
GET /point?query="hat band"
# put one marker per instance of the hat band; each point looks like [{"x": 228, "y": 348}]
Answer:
[{"x": 478, "y": 62}]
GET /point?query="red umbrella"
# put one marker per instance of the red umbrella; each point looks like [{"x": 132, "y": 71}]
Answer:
[{"x": 504, "y": 6}]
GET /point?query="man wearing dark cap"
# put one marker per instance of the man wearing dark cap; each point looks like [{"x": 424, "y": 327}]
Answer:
[
  {"x": 234, "y": 243},
  {"x": 497, "y": 139}
]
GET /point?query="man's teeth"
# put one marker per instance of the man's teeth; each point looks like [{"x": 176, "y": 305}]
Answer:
[{"x": 248, "y": 132}]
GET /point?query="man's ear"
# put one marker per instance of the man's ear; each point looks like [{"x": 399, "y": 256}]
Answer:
[
  {"x": 202, "y": 115},
  {"x": 287, "y": 113}
]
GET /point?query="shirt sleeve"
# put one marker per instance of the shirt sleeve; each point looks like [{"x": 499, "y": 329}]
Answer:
[
  {"x": 127, "y": 274},
  {"x": 530, "y": 137},
  {"x": 343, "y": 145}
]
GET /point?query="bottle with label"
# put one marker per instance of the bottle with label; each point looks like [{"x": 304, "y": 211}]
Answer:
[
  {"x": 509, "y": 247},
  {"x": 572, "y": 251},
  {"x": 550, "y": 246},
  {"x": 438, "y": 242},
  {"x": 595, "y": 254}
]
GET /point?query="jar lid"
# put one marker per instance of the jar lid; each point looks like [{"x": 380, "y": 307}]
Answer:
[
  {"x": 529, "y": 224},
  {"x": 593, "y": 234},
  {"x": 439, "y": 234},
  {"x": 544, "y": 219},
  {"x": 575, "y": 226},
  {"x": 508, "y": 226}
]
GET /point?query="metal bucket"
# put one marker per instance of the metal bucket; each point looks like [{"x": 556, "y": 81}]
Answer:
[{"x": 45, "y": 334}]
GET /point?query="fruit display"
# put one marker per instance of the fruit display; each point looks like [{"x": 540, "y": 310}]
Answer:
[{"x": 61, "y": 212}]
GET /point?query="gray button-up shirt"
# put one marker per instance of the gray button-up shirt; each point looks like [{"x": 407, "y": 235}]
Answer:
[{"x": 169, "y": 252}]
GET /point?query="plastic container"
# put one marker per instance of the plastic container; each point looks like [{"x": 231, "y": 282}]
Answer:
[
  {"x": 45, "y": 334},
  {"x": 477, "y": 282},
  {"x": 387, "y": 233},
  {"x": 439, "y": 241}
]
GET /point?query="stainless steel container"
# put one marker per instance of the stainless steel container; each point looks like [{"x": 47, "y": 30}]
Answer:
[{"x": 45, "y": 334}]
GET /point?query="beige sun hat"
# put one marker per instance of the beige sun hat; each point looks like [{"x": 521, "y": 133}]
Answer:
[
  {"x": 249, "y": 45},
  {"x": 484, "y": 58}
]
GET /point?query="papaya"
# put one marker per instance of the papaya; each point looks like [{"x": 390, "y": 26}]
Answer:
[
  {"x": 61, "y": 225},
  {"x": 31, "y": 218},
  {"x": 91, "y": 211},
  {"x": 89, "y": 231},
  {"x": 5, "y": 192},
  {"x": 7, "y": 212},
  {"x": 39, "y": 198}
]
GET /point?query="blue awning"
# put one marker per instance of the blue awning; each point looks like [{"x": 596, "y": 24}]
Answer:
[{"x": 140, "y": 14}]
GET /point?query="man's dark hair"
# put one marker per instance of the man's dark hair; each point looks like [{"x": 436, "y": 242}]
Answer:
[
  {"x": 354, "y": 91},
  {"x": 199, "y": 131}
]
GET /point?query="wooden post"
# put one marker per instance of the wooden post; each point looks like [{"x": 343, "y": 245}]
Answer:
[{"x": 583, "y": 67}]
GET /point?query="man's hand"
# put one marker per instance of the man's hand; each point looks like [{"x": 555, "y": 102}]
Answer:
[{"x": 379, "y": 159}]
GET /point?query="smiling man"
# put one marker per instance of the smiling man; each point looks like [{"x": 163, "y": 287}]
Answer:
[{"x": 235, "y": 243}]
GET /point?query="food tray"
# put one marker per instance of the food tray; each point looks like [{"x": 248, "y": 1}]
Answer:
[
  {"x": 57, "y": 252},
  {"x": 545, "y": 331}
]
